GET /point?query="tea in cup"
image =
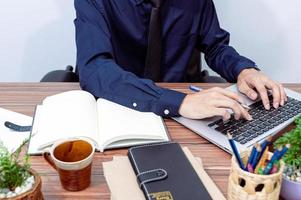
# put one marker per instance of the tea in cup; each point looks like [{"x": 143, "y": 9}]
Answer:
[{"x": 72, "y": 159}]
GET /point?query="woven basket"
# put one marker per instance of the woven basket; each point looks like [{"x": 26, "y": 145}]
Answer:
[
  {"x": 248, "y": 186},
  {"x": 34, "y": 193}
]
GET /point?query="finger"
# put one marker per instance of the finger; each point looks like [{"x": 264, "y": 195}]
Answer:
[
  {"x": 221, "y": 100},
  {"x": 275, "y": 91},
  {"x": 283, "y": 96},
  {"x": 237, "y": 109},
  {"x": 263, "y": 94},
  {"x": 245, "y": 113},
  {"x": 247, "y": 90},
  {"x": 228, "y": 93},
  {"x": 223, "y": 112},
  {"x": 222, "y": 103}
]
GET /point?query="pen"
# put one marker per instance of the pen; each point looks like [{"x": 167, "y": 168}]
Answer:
[
  {"x": 197, "y": 89},
  {"x": 194, "y": 88},
  {"x": 236, "y": 154}
]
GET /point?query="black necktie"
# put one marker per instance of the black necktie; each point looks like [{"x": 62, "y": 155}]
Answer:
[{"x": 153, "y": 55}]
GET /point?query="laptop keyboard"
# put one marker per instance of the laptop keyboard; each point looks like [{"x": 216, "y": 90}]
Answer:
[{"x": 244, "y": 131}]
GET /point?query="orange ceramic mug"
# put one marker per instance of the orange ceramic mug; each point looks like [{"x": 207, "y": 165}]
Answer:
[{"x": 72, "y": 159}]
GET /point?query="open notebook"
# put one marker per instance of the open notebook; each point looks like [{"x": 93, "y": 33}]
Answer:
[{"x": 110, "y": 125}]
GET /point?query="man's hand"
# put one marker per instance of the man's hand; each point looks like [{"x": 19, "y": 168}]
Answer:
[
  {"x": 212, "y": 102},
  {"x": 253, "y": 83}
]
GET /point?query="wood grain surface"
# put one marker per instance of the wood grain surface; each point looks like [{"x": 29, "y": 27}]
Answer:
[{"x": 23, "y": 97}]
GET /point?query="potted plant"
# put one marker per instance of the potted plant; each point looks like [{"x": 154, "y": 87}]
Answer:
[
  {"x": 17, "y": 180},
  {"x": 291, "y": 184}
]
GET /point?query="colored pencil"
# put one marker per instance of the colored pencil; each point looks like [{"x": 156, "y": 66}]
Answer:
[
  {"x": 262, "y": 160},
  {"x": 265, "y": 144},
  {"x": 251, "y": 156},
  {"x": 256, "y": 155},
  {"x": 235, "y": 152},
  {"x": 269, "y": 166},
  {"x": 250, "y": 168},
  {"x": 260, "y": 171},
  {"x": 283, "y": 151}
]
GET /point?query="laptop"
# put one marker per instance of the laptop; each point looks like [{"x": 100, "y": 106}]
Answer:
[{"x": 247, "y": 133}]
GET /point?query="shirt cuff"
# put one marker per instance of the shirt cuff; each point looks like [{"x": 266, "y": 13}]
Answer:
[
  {"x": 169, "y": 103},
  {"x": 243, "y": 65}
]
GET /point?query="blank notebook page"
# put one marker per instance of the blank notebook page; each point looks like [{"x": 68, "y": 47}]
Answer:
[
  {"x": 125, "y": 123},
  {"x": 65, "y": 115}
]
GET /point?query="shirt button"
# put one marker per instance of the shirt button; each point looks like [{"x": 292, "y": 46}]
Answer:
[
  {"x": 166, "y": 112},
  {"x": 134, "y": 105}
]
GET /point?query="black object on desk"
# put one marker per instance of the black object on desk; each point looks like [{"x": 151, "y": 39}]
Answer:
[
  {"x": 263, "y": 120},
  {"x": 164, "y": 172},
  {"x": 17, "y": 127}
]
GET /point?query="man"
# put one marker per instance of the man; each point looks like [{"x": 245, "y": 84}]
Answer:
[{"x": 115, "y": 41}]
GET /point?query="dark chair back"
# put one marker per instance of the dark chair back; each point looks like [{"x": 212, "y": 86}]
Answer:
[
  {"x": 61, "y": 76},
  {"x": 194, "y": 74}
]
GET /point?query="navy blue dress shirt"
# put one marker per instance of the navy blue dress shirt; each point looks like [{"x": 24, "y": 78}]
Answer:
[{"x": 111, "y": 38}]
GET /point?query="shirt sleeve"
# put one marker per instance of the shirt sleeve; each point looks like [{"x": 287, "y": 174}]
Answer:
[
  {"x": 213, "y": 41},
  {"x": 100, "y": 75}
]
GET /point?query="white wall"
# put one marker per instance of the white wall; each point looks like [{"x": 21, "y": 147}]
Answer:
[
  {"x": 267, "y": 31},
  {"x": 37, "y": 36}
]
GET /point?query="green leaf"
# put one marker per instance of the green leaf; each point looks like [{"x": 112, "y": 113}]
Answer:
[
  {"x": 293, "y": 137},
  {"x": 12, "y": 172}
]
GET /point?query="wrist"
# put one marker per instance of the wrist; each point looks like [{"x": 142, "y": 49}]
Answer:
[
  {"x": 169, "y": 102},
  {"x": 247, "y": 71},
  {"x": 187, "y": 108},
  {"x": 183, "y": 105}
]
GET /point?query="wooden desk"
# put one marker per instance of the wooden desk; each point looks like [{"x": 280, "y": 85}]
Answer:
[{"x": 23, "y": 97}]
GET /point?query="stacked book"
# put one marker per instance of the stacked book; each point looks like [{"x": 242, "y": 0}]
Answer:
[{"x": 121, "y": 176}]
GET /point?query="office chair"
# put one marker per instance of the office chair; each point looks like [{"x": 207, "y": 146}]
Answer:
[
  {"x": 66, "y": 75},
  {"x": 194, "y": 74}
]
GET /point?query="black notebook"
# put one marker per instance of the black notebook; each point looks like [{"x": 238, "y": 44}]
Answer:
[{"x": 164, "y": 172}]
